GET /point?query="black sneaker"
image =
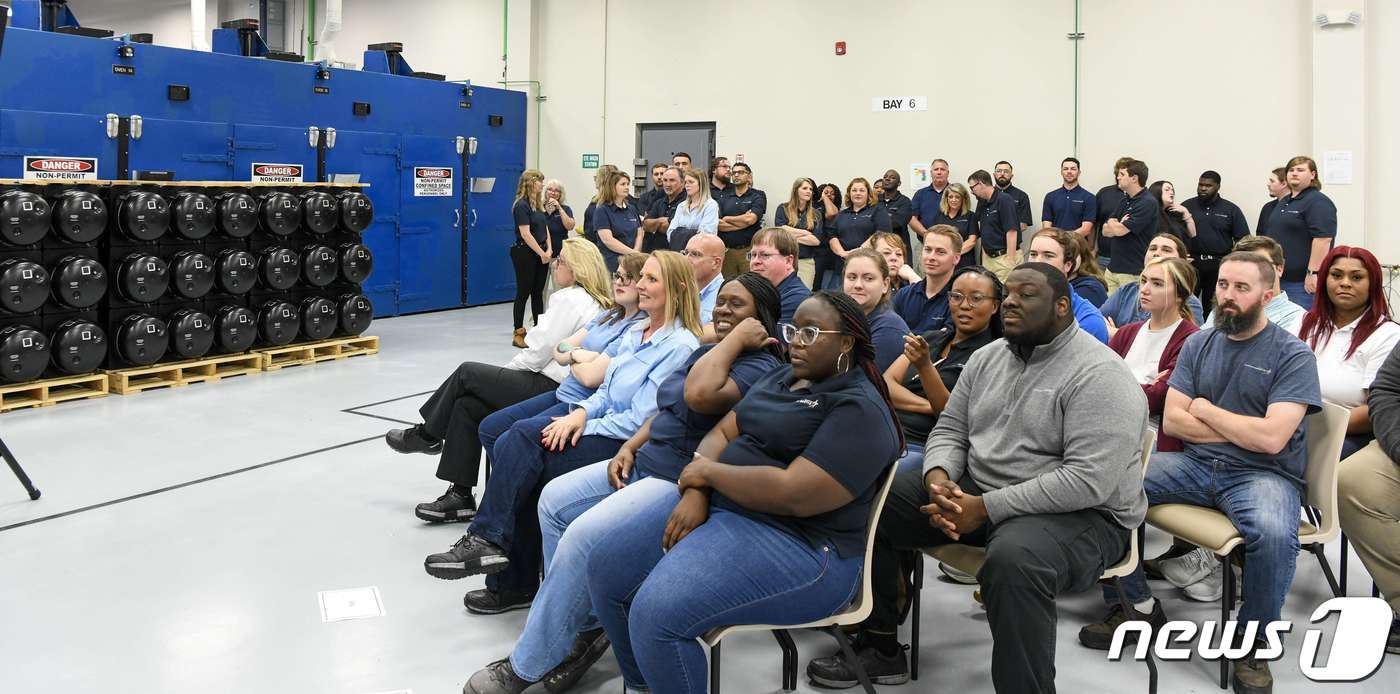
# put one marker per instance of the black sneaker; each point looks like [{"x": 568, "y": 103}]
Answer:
[
  {"x": 1252, "y": 676},
  {"x": 413, "y": 440},
  {"x": 1392, "y": 645},
  {"x": 1100, "y": 636},
  {"x": 497, "y": 678},
  {"x": 588, "y": 648},
  {"x": 471, "y": 556},
  {"x": 834, "y": 672},
  {"x": 487, "y": 601},
  {"x": 451, "y": 507}
]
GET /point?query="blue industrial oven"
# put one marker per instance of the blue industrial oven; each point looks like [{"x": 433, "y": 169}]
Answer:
[{"x": 215, "y": 116}]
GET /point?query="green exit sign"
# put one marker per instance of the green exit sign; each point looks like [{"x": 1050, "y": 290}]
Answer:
[{"x": 590, "y": 161}]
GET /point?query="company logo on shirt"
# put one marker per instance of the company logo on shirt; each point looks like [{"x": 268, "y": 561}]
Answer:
[
  {"x": 809, "y": 403},
  {"x": 1264, "y": 371}
]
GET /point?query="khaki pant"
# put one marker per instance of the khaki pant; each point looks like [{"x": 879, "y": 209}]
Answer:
[
  {"x": 1001, "y": 266},
  {"x": 1118, "y": 279},
  {"x": 736, "y": 262},
  {"x": 807, "y": 271},
  {"x": 1368, "y": 494}
]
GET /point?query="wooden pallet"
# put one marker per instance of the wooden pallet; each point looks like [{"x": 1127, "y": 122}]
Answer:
[
  {"x": 275, "y": 358},
  {"x": 52, "y": 391},
  {"x": 182, "y": 373}
]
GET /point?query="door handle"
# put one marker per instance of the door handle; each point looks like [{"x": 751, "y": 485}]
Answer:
[
  {"x": 457, "y": 224},
  {"x": 473, "y": 219}
]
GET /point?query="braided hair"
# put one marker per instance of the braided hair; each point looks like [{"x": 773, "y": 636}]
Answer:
[
  {"x": 767, "y": 305},
  {"x": 855, "y": 324}
]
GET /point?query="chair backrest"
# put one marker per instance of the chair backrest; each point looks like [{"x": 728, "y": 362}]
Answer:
[
  {"x": 862, "y": 605},
  {"x": 1149, "y": 443},
  {"x": 1326, "y": 430}
]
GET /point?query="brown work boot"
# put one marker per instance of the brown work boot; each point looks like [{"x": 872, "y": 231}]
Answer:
[
  {"x": 1252, "y": 674},
  {"x": 1100, "y": 636},
  {"x": 518, "y": 338}
]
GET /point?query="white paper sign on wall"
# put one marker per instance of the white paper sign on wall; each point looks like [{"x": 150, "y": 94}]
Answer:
[{"x": 898, "y": 103}]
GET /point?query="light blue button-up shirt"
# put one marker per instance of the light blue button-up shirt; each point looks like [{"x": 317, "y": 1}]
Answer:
[
  {"x": 602, "y": 336},
  {"x": 627, "y": 396},
  {"x": 708, "y": 295}
]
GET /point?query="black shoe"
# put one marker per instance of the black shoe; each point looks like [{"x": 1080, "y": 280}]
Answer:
[
  {"x": 1252, "y": 676},
  {"x": 413, "y": 440},
  {"x": 834, "y": 672},
  {"x": 588, "y": 648},
  {"x": 497, "y": 678},
  {"x": 1151, "y": 567},
  {"x": 487, "y": 601},
  {"x": 451, "y": 507},
  {"x": 1392, "y": 645},
  {"x": 1100, "y": 636},
  {"x": 471, "y": 556}
]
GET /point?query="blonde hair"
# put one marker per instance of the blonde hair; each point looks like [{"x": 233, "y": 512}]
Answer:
[
  {"x": 598, "y": 177},
  {"x": 702, "y": 184},
  {"x": 522, "y": 189},
  {"x": 590, "y": 272},
  {"x": 890, "y": 239},
  {"x": 883, "y": 267},
  {"x": 963, "y": 199},
  {"x": 607, "y": 191},
  {"x": 555, "y": 183},
  {"x": 791, "y": 207},
  {"x": 1182, "y": 276},
  {"x": 682, "y": 290}
]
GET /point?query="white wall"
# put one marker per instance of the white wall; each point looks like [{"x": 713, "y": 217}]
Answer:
[
  {"x": 167, "y": 20},
  {"x": 1383, "y": 113}
]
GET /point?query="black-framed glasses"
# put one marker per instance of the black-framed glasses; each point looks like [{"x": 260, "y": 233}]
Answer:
[
  {"x": 620, "y": 278},
  {"x": 803, "y": 337}
]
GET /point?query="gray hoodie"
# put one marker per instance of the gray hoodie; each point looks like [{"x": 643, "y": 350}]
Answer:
[{"x": 1060, "y": 432}]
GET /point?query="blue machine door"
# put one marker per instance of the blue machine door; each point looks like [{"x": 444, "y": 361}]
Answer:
[
  {"x": 265, "y": 144},
  {"x": 430, "y": 226},
  {"x": 375, "y": 158},
  {"x": 39, "y": 134},
  {"x": 193, "y": 150},
  {"x": 490, "y": 276}
]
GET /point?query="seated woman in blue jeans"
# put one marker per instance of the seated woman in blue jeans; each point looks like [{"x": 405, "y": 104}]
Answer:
[
  {"x": 505, "y": 534},
  {"x": 561, "y": 638},
  {"x": 772, "y": 519}
]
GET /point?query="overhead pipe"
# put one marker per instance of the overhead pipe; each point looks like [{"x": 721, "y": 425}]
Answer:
[
  {"x": 199, "y": 29},
  {"x": 329, "y": 30}
]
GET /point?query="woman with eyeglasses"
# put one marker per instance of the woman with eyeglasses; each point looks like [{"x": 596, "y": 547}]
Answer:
[
  {"x": 867, "y": 282},
  {"x": 561, "y": 638},
  {"x": 955, "y": 210},
  {"x": 773, "y": 510},
  {"x": 856, "y": 223},
  {"x": 452, "y": 417},
  {"x": 504, "y": 538},
  {"x": 921, "y": 378}
]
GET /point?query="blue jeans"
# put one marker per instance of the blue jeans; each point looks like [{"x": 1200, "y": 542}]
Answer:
[
  {"x": 1263, "y": 507},
  {"x": 496, "y": 424},
  {"x": 507, "y": 514},
  {"x": 732, "y": 569},
  {"x": 1297, "y": 294},
  {"x": 577, "y": 511}
]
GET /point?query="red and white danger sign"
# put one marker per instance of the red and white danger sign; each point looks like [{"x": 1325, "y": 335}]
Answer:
[
  {"x": 60, "y": 168},
  {"x": 276, "y": 173},
  {"x": 432, "y": 182}
]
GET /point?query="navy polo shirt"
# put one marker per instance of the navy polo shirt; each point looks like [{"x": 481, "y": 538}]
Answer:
[
  {"x": 1067, "y": 208},
  {"x": 1023, "y": 203},
  {"x": 791, "y": 293},
  {"x": 717, "y": 193},
  {"x": 965, "y": 223},
  {"x": 777, "y": 424},
  {"x": 887, "y": 331},
  {"x": 1142, "y": 212},
  {"x": 676, "y": 430},
  {"x": 661, "y": 206},
  {"x": 1107, "y": 201},
  {"x": 1264, "y": 213},
  {"x": 855, "y": 227},
  {"x": 623, "y": 222},
  {"x": 924, "y": 205},
  {"x": 995, "y": 217},
  {"x": 780, "y": 218},
  {"x": 525, "y": 216},
  {"x": 1218, "y": 226},
  {"x": 557, "y": 231},
  {"x": 649, "y": 197},
  {"x": 732, "y": 204},
  {"x": 1295, "y": 222},
  {"x": 917, "y": 425},
  {"x": 921, "y": 313},
  {"x": 588, "y": 231},
  {"x": 900, "y": 209}
]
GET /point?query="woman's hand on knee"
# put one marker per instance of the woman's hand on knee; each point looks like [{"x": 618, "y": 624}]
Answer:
[
  {"x": 691, "y": 511},
  {"x": 620, "y": 467}
]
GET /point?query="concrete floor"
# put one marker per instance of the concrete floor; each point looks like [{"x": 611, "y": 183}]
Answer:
[{"x": 184, "y": 535}]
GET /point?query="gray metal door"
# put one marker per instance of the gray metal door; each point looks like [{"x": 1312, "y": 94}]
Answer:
[{"x": 656, "y": 142}]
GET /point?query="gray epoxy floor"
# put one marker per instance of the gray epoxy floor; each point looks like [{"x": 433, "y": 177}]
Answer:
[{"x": 212, "y": 586}]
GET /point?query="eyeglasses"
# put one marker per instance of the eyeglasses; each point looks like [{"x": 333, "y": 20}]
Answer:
[
  {"x": 974, "y": 299},
  {"x": 751, "y": 256},
  {"x": 803, "y": 337},
  {"x": 620, "y": 278}
]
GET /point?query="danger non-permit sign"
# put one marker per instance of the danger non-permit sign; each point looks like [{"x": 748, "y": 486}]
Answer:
[
  {"x": 276, "y": 173},
  {"x": 60, "y": 168},
  {"x": 432, "y": 182}
]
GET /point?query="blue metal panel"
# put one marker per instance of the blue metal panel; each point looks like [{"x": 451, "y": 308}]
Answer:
[
  {"x": 375, "y": 158},
  {"x": 195, "y": 151},
  {"x": 34, "y": 133},
  {"x": 490, "y": 276},
  {"x": 253, "y": 144},
  {"x": 430, "y": 246}
]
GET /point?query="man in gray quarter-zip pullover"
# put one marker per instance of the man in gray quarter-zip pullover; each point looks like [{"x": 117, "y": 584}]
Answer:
[{"x": 1037, "y": 457}]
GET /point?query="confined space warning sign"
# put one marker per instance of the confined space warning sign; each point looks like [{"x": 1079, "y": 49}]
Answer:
[
  {"x": 60, "y": 168},
  {"x": 432, "y": 182},
  {"x": 276, "y": 173}
]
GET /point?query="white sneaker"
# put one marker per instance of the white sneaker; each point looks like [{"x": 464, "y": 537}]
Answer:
[
  {"x": 956, "y": 576},
  {"x": 1189, "y": 568},
  {"x": 1208, "y": 589}
]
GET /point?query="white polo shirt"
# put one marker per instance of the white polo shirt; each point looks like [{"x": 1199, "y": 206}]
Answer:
[{"x": 1345, "y": 380}]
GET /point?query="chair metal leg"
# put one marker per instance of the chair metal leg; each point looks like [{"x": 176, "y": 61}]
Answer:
[
  {"x": 1317, "y": 550},
  {"x": 714, "y": 668},
  {"x": 1151, "y": 663},
  {"x": 1343, "y": 568},
  {"x": 1227, "y": 603},
  {"x": 852, "y": 659},
  {"x": 19, "y": 471},
  {"x": 914, "y": 616},
  {"x": 789, "y": 659}
]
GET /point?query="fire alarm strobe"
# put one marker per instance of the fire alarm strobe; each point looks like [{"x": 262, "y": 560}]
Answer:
[{"x": 840, "y": 48}]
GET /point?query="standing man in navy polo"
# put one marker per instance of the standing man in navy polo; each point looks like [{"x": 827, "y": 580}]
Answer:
[
  {"x": 741, "y": 211},
  {"x": 924, "y": 304},
  {"x": 1131, "y": 227},
  {"x": 1107, "y": 201},
  {"x": 1002, "y": 174},
  {"x": 900, "y": 208},
  {"x": 998, "y": 224},
  {"x": 647, "y": 198},
  {"x": 662, "y": 209},
  {"x": 774, "y": 255},
  {"x": 924, "y": 205},
  {"x": 1219, "y": 224},
  {"x": 1070, "y": 207},
  {"x": 681, "y": 160},
  {"x": 719, "y": 177}
]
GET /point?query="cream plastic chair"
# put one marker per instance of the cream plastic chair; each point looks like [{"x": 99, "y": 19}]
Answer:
[
  {"x": 856, "y": 613},
  {"x": 1211, "y": 529},
  {"x": 968, "y": 559}
]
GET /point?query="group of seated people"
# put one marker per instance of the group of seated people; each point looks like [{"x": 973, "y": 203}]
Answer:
[{"x": 674, "y": 451}]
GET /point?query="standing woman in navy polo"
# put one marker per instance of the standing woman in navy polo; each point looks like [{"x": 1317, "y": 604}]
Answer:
[
  {"x": 531, "y": 253},
  {"x": 1304, "y": 222},
  {"x": 855, "y": 223},
  {"x": 802, "y": 218},
  {"x": 616, "y": 221},
  {"x": 867, "y": 282},
  {"x": 828, "y": 202},
  {"x": 778, "y": 496},
  {"x": 955, "y": 210}
]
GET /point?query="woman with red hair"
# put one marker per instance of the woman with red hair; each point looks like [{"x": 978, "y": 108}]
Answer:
[{"x": 1350, "y": 330}]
